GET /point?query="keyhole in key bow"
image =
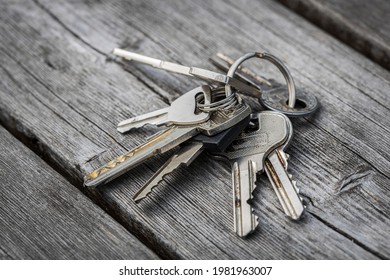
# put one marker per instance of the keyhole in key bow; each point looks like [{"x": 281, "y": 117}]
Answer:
[{"x": 299, "y": 104}]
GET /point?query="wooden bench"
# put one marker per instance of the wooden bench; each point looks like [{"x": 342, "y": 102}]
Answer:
[{"x": 62, "y": 94}]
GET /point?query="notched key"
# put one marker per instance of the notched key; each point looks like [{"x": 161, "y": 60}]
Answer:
[
  {"x": 246, "y": 155},
  {"x": 282, "y": 183},
  {"x": 176, "y": 113},
  {"x": 189, "y": 152},
  {"x": 162, "y": 142}
]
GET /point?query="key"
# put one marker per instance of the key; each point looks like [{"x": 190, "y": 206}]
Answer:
[
  {"x": 246, "y": 155},
  {"x": 189, "y": 152},
  {"x": 282, "y": 183},
  {"x": 200, "y": 73},
  {"x": 166, "y": 140},
  {"x": 176, "y": 113}
]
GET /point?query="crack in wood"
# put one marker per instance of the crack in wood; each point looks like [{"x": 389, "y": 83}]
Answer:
[
  {"x": 356, "y": 179},
  {"x": 341, "y": 25},
  {"x": 341, "y": 232}
]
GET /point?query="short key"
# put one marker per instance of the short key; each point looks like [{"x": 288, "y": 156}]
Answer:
[
  {"x": 189, "y": 152},
  {"x": 176, "y": 113},
  {"x": 165, "y": 140},
  {"x": 282, "y": 183},
  {"x": 246, "y": 155}
]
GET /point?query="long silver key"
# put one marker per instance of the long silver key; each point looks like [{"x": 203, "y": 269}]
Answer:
[
  {"x": 246, "y": 155},
  {"x": 189, "y": 152},
  {"x": 282, "y": 183},
  {"x": 176, "y": 113},
  {"x": 166, "y": 140},
  {"x": 200, "y": 73}
]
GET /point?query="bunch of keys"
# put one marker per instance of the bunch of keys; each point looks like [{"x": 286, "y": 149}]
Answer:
[{"x": 215, "y": 119}]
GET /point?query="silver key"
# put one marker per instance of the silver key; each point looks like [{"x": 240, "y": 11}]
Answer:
[
  {"x": 246, "y": 155},
  {"x": 184, "y": 156},
  {"x": 166, "y": 140},
  {"x": 180, "y": 112},
  {"x": 200, "y": 73},
  {"x": 282, "y": 183},
  {"x": 189, "y": 152}
]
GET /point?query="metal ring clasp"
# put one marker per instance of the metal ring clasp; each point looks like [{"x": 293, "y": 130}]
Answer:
[{"x": 274, "y": 60}]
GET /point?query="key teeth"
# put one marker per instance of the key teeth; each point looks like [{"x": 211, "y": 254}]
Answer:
[
  {"x": 297, "y": 189},
  {"x": 256, "y": 220},
  {"x": 294, "y": 183},
  {"x": 137, "y": 200}
]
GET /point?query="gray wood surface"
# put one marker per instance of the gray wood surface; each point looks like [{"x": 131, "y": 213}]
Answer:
[
  {"x": 363, "y": 25},
  {"x": 42, "y": 216},
  {"x": 61, "y": 92}
]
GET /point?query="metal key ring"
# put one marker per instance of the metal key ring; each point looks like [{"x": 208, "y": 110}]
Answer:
[
  {"x": 217, "y": 93},
  {"x": 225, "y": 103},
  {"x": 274, "y": 60}
]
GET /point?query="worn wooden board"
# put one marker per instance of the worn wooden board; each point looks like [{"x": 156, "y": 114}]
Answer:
[
  {"x": 362, "y": 25},
  {"x": 63, "y": 94},
  {"x": 42, "y": 216}
]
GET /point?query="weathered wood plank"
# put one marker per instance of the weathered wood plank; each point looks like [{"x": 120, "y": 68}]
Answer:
[
  {"x": 80, "y": 96},
  {"x": 362, "y": 25},
  {"x": 42, "y": 216}
]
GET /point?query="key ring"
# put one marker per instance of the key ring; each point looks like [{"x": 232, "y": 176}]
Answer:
[
  {"x": 274, "y": 60},
  {"x": 224, "y": 103}
]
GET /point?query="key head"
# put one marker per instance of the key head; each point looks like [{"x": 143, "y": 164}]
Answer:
[
  {"x": 183, "y": 110},
  {"x": 268, "y": 131}
]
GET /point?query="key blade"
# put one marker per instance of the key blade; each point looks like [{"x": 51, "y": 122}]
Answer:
[
  {"x": 244, "y": 182},
  {"x": 185, "y": 156},
  {"x": 157, "y": 63},
  {"x": 283, "y": 185},
  {"x": 152, "y": 118},
  {"x": 165, "y": 141},
  {"x": 188, "y": 71}
]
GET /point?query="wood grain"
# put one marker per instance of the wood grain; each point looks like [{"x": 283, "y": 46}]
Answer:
[
  {"x": 64, "y": 94},
  {"x": 360, "y": 24},
  {"x": 42, "y": 216}
]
